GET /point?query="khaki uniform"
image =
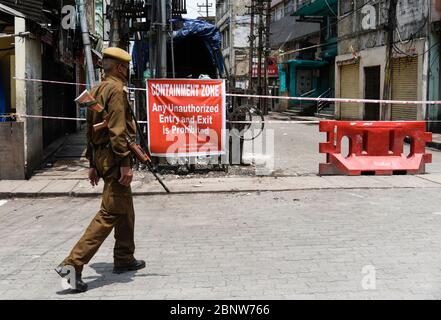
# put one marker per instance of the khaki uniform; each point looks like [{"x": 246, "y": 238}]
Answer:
[{"x": 110, "y": 152}]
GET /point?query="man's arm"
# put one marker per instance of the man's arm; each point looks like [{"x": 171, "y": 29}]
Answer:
[{"x": 117, "y": 127}]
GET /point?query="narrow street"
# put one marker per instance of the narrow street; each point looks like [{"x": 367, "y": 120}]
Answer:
[
  {"x": 296, "y": 153},
  {"x": 162, "y": 88},
  {"x": 255, "y": 245}
]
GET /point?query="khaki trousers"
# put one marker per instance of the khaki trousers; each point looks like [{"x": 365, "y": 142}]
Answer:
[{"x": 117, "y": 212}]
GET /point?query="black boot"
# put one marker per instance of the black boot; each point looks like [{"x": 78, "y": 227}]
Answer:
[
  {"x": 135, "y": 265},
  {"x": 79, "y": 285}
]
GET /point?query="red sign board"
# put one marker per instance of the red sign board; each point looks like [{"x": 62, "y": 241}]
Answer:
[
  {"x": 273, "y": 69},
  {"x": 186, "y": 117}
]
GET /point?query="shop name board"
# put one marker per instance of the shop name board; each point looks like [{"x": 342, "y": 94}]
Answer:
[{"x": 273, "y": 69}]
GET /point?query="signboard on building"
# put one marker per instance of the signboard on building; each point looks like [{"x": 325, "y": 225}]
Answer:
[
  {"x": 186, "y": 117},
  {"x": 273, "y": 70}
]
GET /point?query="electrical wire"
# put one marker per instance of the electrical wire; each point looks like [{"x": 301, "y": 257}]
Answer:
[
  {"x": 346, "y": 15},
  {"x": 415, "y": 55},
  {"x": 411, "y": 39}
]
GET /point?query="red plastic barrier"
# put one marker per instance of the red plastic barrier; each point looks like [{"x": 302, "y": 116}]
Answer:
[{"x": 375, "y": 148}]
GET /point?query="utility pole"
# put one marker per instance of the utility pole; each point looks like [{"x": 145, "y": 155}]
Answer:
[
  {"x": 115, "y": 37},
  {"x": 172, "y": 49},
  {"x": 163, "y": 39},
  {"x": 251, "y": 39},
  {"x": 391, "y": 25},
  {"x": 86, "y": 43},
  {"x": 158, "y": 39},
  {"x": 267, "y": 53},
  {"x": 206, "y": 6},
  {"x": 260, "y": 52}
]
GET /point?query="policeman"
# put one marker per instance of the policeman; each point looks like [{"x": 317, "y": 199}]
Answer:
[{"x": 110, "y": 160}]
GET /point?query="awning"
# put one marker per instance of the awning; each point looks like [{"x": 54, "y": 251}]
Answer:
[
  {"x": 318, "y": 8},
  {"x": 307, "y": 63},
  {"x": 11, "y": 11},
  {"x": 288, "y": 29},
  {"x": 29, "y": 9}
]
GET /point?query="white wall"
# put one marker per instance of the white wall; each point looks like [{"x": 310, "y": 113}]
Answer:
[{"x": 29, "y": 94}]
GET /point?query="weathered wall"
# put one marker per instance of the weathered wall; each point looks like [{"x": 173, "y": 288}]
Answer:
[
  {"x": 362, "y": 24},
  {"x": 12, "y": 151},
  {"x": 29, "y": 94},
  {"x": 241, "y": 44},
  {"x": 240, "y": 29}
]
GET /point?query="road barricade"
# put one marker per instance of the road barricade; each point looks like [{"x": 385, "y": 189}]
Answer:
[{"x": 374, "y": 148}]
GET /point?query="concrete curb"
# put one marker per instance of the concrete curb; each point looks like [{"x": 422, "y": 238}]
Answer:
[
  {"x": 434, "y": 145},
  {"x": 4, "y": 196},
  {"x": 80, "y": 189}
]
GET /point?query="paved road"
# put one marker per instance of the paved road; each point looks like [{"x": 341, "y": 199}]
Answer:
[
  {"x": 285, "y": 245},
  {"x": 297, "y": 150},
  {"x": 269, "y": 245}
]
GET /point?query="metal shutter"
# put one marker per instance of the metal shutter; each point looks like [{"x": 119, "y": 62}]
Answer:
[
  {"x": 404, "y": 87},
  {"x": 32, "y": 9},
  {"x": 349, "y": 88}
]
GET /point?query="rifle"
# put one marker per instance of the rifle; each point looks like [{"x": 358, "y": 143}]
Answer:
[{"x": 140, "y": 151}]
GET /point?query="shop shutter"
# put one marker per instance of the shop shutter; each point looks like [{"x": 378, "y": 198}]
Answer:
[
  {"x": 404, "y": 87},
  {"x": 349, "y": 88}
]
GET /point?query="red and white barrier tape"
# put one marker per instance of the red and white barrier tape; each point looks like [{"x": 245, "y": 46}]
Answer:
[
  {"x": 338, "y": 100},
  {"x": 17, "y": 115}
]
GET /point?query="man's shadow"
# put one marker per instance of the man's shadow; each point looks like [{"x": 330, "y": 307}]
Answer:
[{"x": 107, "y": 277}]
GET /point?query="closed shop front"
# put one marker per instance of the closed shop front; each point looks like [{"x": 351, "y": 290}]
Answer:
[
  {"x": 349, "y": 88},
  {"x": 404, "y": 87}
]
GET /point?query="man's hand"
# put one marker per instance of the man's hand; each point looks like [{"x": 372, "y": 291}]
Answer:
[
  {"x": 93, "y": 177},
  {"x": 126, "y": 176}
]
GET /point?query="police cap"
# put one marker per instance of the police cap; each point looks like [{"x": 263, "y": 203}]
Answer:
[{"x": 117, "y": 53}]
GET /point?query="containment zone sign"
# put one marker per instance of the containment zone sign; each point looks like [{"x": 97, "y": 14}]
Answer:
[{"x": 186, "y": 117}]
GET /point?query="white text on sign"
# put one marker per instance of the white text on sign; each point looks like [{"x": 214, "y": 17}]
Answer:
[{"x": 184, "y": 90}]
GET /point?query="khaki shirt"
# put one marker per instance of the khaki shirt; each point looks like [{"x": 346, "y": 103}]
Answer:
[{"x": 111, "y": 93}]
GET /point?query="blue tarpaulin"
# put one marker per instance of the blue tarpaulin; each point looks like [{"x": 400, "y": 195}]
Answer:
[{"x": 208, "y": 33}]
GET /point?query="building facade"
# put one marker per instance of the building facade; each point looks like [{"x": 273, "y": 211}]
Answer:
[
  {"x": 434, "y": 90},
  {"x": 36, "y": 44},
  {"x": 304, "y": 33},
  {"x": 233, "y": 21},
  {"x": 365, "y": 69}
]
